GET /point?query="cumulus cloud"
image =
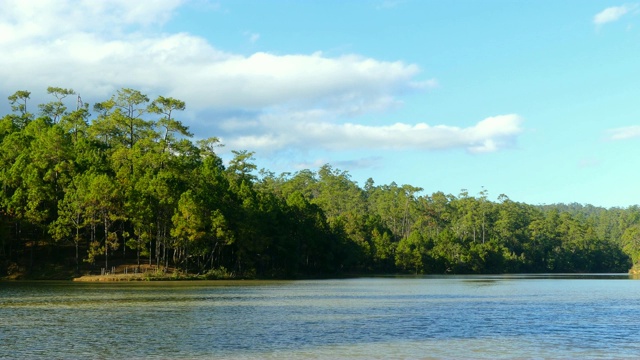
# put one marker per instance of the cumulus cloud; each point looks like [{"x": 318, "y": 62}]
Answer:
[
  {"x": 489, "y": 135},
  {"x": 623, "y": 133},
  {"x": 280, "y": 101},
  {"x": 265, "y": 80},
  {"x": 99, "y": 47},
  {"x": 46, "y": 20},
  {"x": 612, "y": 14}
]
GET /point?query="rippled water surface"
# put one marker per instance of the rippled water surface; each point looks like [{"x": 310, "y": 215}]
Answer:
[{"x": 415, "y": 318}]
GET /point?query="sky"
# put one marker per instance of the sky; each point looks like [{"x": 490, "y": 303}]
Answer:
[{"x": 537, "y": 100}]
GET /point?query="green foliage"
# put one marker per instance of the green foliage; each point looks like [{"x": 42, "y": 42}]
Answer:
[
  {"x": 130, "y": 177},
  {"x": 411, "y": 253},
  {"x": 18, "y": 101},
  {"x": 631, "y": 242},
  {"x": 218, "y": 274}
]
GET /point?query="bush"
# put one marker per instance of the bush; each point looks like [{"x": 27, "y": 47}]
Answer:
[{"x": 218, "y": 274}]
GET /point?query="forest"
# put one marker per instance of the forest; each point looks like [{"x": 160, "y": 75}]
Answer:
[{"x": 82, "y": 187}]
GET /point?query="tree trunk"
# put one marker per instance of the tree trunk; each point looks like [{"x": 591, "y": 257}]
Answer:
[{"x": 106, "y": 245}]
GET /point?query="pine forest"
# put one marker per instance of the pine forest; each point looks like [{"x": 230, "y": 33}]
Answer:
[{"x": 123, "y": 181}]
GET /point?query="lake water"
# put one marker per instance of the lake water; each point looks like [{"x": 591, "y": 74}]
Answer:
[{"x": 479, "y": 317}]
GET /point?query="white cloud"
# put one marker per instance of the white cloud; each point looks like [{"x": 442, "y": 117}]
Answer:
[
  {"x": 293, "y": 101},
  {"x": 97, "y": 47},
  {"x": 489, "y": 135},
  {"x": 265, "y": 80},
  {"x": 623, "y": 133},
  {"x": 42, "y": 19},
  {"x": 612, "y": 14}
]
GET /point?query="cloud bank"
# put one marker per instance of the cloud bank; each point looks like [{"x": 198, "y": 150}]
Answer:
[
  {"x": 293, "y": 100},
  {"x": 488, "y": 135},
  {"x": 100, "y": 47}
]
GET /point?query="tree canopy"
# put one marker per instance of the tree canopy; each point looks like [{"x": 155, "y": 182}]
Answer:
[{"x": 128, "y": 183}]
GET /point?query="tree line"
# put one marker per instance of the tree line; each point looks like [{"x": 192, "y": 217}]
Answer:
[{"x": 125, "y": 181}]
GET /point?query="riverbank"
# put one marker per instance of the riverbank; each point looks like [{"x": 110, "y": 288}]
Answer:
[
  {"x": 117, "y": 273},
  {"x": 127, "y": 272},
  {"x": 148, "y": 276},
  {"x": 143, "y": 276}
]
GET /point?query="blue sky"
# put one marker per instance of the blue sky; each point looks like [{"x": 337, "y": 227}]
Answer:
[{"x": 537, "y": 100}]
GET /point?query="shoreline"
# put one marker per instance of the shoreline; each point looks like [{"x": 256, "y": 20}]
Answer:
[
  {"x": 110, "y": 278},
  {"x": 633, "y": 273}
]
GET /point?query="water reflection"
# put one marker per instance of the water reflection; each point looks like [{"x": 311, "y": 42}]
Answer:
[{"x": 407, "y": 317}]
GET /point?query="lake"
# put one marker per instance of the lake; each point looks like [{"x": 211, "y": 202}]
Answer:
[{"x": 479, "y": 317}]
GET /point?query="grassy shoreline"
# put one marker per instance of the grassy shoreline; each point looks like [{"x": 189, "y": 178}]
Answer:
[
  {"x": 135, "y": 277},
  {"x": 117, "y": 273},
  {"x": 115, "y": 277},
  {"x": 127, "y": 272}
]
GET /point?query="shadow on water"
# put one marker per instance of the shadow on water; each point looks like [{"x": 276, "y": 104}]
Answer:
[{"x": 568, "y": 312}]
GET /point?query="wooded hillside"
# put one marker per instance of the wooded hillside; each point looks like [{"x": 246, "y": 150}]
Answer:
[{"x": 125, "y": 181}]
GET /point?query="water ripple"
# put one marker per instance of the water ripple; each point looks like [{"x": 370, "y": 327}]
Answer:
[{"x": 412, "y": 318}]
